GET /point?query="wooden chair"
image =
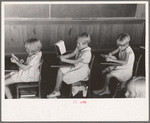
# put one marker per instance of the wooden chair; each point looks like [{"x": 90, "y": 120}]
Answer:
[
  {"x": 119, "y": 90},
  {"x": 30, "y": 85},
  {"x": 88, "y": 82}
]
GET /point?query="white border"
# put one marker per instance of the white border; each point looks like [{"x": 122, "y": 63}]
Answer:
[{"x": 74, "y": 110}]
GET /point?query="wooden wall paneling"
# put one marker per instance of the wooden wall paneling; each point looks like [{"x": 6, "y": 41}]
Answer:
[
  {"x": 15, "y": 39},
  {"x": 106, "y": 35},
  {"x": 82, "y": 28},
  {"x": 46, "y": 36},
  {"x": 24, "y": 33},
  {"x": 39, "y": 33},
  {"x": 129, "y": 29},
  {"x": 31, "y": 31},
  {"x": 74, "y": 33},
  {"x": 21, "y": 35},
  {"x": 7, "y": 37},
  {"x": 53, "y": 36},
  {"x": 137, "y": 34},
  {"x": 61, "y": 32},
  {"x": 90, "y": 31},
  {"x": 95, "y": 35},
  {"x": 69, "y": 36}
]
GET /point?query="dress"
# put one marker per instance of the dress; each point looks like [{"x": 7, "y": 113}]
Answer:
[
  {"x": 31, "y": 74},
  {"x": 124, "y": 73},
  {"x": 81, "y": 69}
]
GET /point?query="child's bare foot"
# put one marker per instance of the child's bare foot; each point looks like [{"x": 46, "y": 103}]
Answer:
[
  {"x": 96, "y": 92},
  {"x": 105, "y": 92}
]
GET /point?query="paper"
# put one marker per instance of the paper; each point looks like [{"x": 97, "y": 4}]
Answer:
[{"x": 60, "y": 47}]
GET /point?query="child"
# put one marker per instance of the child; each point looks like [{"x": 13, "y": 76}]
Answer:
[
  {"x": 136, "y": 88},
  {"x": 126, "y": 59},
  {"x": 72, "y": 75},
  {"x": 28, "y": 71}
]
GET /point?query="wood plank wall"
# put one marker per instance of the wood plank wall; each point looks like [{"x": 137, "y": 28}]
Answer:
[{"x": 103, "y": 33}]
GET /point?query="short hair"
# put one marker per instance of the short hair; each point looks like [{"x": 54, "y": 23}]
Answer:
[
  {"x": 85, "y": 38},
  {"x": 33, "y": 44},
  {"x": 139, "y": 86},
  {"x": 123, "y": 39}
]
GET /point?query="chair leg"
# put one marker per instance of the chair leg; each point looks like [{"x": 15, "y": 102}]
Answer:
[
  {"x": 17, "y": 93},
  {"x": 39, "y": 92},
  {"x": 70, "y": 94}
]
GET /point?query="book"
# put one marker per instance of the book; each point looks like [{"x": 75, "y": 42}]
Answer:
[
  {"x": 60, "y": 47},
  {"x": 27, "y": 93},
  {"x": 13, "y": 56}
]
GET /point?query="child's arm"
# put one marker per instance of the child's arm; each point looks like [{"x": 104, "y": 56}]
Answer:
[
  {"x": 113, "y": 52},
  {"x": 22, "y": 66},
  {"x": 69, "y": 55},
  {"x": 71, "y": 61},
  {"x": 123, "y": 62}
]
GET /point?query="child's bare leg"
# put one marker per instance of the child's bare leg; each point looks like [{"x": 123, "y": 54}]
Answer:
[
  {"x": 7, "y": 75},
  {"x": 56, "y": 91},
  {"x": 8, "y": 81},
  {"x": 104, "y": 89},
  {"x": 58, "y": 80}
]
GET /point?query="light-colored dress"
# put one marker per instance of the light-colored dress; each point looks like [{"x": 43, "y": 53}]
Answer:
[
  {"x": 124, "y": 73},
  {"x": 81, "y": 69},
  {"x": 31, "y": 74}
]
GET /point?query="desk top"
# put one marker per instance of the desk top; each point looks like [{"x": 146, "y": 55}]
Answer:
[{"x": 111, "y": 64}]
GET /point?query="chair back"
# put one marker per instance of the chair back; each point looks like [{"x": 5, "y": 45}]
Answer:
[
  {"x": 136, "y": 65},
  {"x": 90, "y": 66},
  {"x": 40, "y": 69}
]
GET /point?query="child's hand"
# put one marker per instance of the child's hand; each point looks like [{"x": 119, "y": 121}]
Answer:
[
  {"x": 109, "y": 55},
  {"x": 62, "y": 59},
  {"x": 21, "y": 61},
  {"x": 109, "y": 59},
  {"x": 13, "y": 56},
  {"x": 13, "y": 60}
]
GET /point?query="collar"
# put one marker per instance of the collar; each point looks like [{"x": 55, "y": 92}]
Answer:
[{"x": 125, "y": 48}]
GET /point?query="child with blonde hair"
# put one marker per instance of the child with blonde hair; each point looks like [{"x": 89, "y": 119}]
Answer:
[
  {"x": 81, "y": 70},
  {"x": 28, "y": 71},
  {"x": 136, "y": 88},
  {"x": 126, "y": 60}
]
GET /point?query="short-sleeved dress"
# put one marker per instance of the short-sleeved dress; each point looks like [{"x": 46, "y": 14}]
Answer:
[
  {"x": 124, "y": 73},
  {"x": 81, "y": 69},
  {"x": 31, "y": 74}
]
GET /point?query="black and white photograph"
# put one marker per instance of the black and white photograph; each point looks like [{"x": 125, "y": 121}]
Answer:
[{"x": 75, "y": 61}]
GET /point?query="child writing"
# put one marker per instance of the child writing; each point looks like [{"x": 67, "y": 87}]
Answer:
[
  {"x": 28, "y": 71},
  {"x": 126, "y": 59},
  {"x": 136, "y": 88},
  {"x": 72, "y": 75}
]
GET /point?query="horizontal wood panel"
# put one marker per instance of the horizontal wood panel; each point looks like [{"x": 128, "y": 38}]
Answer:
[{"x": 103, "y": 33}]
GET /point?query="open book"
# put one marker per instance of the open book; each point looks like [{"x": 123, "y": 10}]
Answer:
[
  {"x": 60, "y": 47},
  {"x": 13, "y": 56}
]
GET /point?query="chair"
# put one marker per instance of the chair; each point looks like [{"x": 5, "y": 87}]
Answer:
[
  {"x": 29, "y": 85},
  {"x": 88, "y": 82},
  {"x": 119, "y": 90}
]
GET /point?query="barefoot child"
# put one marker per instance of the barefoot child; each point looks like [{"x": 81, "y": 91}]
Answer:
[{"x": 126, "y": 59}]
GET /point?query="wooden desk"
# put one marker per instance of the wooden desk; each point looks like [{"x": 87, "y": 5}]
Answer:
[
  {"x": 111, "y": 64},
  {"x": 62, "y": 66}
]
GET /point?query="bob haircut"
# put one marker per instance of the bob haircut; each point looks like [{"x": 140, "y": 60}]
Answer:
[
  {"x": 123, "y": 39},
  {"x": 84, "y": 37},
  {"x": 33, "y": 44},
  {"x": 139, "y": 85}
]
